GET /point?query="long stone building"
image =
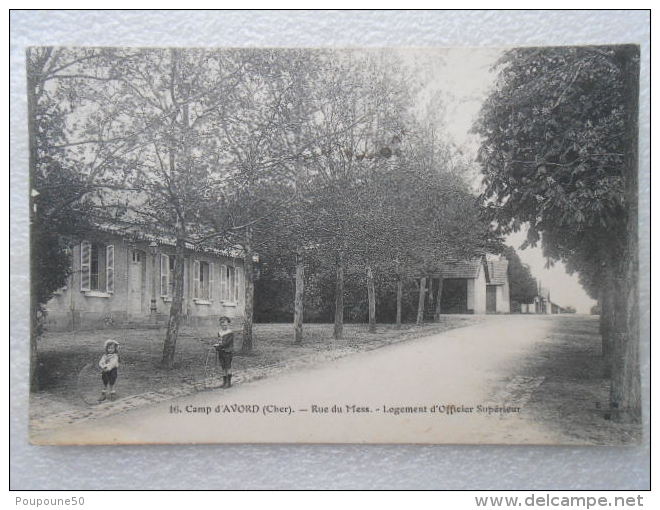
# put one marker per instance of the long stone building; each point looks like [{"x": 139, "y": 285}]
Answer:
[{"x": 118, "y": 281}]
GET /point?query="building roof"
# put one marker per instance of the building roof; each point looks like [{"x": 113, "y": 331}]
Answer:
[
  {"x": 497, "y": 271},
  {"x": 461, "y": 268},
  {"x": 166, "y": 240}
]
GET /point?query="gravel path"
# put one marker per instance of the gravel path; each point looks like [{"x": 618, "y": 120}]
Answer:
[{"x": 477, "y": 384}]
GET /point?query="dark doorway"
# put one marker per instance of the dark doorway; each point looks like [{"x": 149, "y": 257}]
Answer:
[
  {"x": 454, "y": 296},
  {"x": 491, "y": 298}
]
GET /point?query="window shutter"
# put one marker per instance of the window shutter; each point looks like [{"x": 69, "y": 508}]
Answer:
[
  {"x": 195, "y": 278},
  {"x": 239, "y": 279},
  {"x": 164, "y": 274},
  {"x": 110, "y": 268},
  {"x": 85, "y": 265},
  {"x": 211, "y": 274},
  {"x": 223, "y": 282}
]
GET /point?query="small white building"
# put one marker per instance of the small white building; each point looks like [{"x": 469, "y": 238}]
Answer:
[
  {"x": 497, "y": 285},
  {"x": 476, "y": 286}
]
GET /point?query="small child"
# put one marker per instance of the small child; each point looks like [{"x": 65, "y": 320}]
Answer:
[
  {"x": 225, "y": 350},
  {"x": 109, "y": 363}
]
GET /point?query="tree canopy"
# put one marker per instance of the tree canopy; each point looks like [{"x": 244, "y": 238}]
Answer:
[
  {"x": 559, "y": 154},
  {"x": 523, "y": 287}
]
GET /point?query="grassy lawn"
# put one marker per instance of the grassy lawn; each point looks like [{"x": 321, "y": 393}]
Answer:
[{"x": 70, "y": 378}]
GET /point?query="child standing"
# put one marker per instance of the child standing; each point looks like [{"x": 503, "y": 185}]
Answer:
[
  {"x": 225, "y": 350},
  {"x": 109, "y": 364}
]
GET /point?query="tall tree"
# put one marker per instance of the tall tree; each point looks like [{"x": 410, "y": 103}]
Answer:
[
  {"x": 365, "y": 109},
  {"x": 522, "y": 285},
  {"x": 59, "y": 185},
  {"x": 559, "y": 153},
  {"x": 156, "y": 119},
  {"x": 261, "y": 191}
]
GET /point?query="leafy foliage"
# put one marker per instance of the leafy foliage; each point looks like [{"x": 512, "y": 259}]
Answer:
[
  {"x": 552, "y": 147},
  {"x": 559, "y": 153},
  {"x": 59, "y": 191},
  {"x": 523, "y": 286}
]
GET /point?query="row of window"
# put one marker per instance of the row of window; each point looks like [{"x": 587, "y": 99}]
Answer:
[
  {"x": 97, "y": 269},
  {"x": 203, "y": 279}
]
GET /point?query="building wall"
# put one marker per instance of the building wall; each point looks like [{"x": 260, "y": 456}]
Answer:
[
  {"x": 470, "y": 295},
  {"x": 503, "y": 304},
  {"x": 480, "y": 292},
  {"x": 135, "y": 284},
  {"x": 541, "y": 305}
]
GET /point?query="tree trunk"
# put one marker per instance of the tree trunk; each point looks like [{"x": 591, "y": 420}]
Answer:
[
  {"x": 32, "y": 163},
  {"x": 248, "y": 271},
  {"x": 371, "y": 292},
  {"x": 399, "y": 299},
  {"x": 34, "y": 353},
  {"x": 438, "y": 306},
  {"x": 420, "y": 301},
  {"x": 618, "y": 340},
  {"x": 339, "y": 296},
  {"x": 626, "y": 384},
  {"x": 298, "y": 300},
  {"x": 174, "y": 322},
  {"x": 631, "y": 379},
  {"x": 176, "y": 308},
  {"x": 607, "y": 310}
]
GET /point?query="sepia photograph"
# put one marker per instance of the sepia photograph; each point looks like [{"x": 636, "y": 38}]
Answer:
[{"x": 334, "y": 245}]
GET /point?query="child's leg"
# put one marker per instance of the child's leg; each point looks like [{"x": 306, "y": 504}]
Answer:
[
  {"x": 104, "y": 378},
  {"x": 226, "y": 369},
  {"x": 229, "y": 360},
  {"x": 112, "y": 379}
]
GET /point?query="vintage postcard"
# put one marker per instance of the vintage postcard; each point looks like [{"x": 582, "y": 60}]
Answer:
[{"x": 244, "y": 245}]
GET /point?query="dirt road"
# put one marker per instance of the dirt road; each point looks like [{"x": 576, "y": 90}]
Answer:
[{"x": 468, "y": 385}]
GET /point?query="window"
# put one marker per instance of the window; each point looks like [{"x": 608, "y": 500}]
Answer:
[
  {"x": 172, "y": 264},
  {"x": 97, "y": 267},
  {"x": 239, "y": 278},
  {"x": 94, "y": 268},
  {"x": 229, "y": 283},
  {"x": 167, "y": 264},
  {"x": 203, "y": 280}
]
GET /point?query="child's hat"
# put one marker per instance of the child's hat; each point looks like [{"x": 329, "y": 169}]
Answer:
[{"x": 110, "y": 341}]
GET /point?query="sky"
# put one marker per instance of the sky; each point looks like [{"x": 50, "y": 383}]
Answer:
[{"x": 463, "y": 77}]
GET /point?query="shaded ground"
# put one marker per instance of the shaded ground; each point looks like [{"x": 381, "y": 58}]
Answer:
[
  {"x": 573, "y": 397},
  {"x": 70, "y": 379}
]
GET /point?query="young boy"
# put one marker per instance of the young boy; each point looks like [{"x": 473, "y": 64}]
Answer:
[
  {"x": 109, "y": 364},
  {"x": 225, "y": 350}
]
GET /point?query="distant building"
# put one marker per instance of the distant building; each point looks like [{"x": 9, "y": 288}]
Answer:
[
  {"x": 542, "y": 304},
  {"x": 117, "y": 281},
  {"x": 475, "y": 286}
]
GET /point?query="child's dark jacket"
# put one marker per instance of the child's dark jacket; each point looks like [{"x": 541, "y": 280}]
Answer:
[{"x": 225, "y": 341}]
